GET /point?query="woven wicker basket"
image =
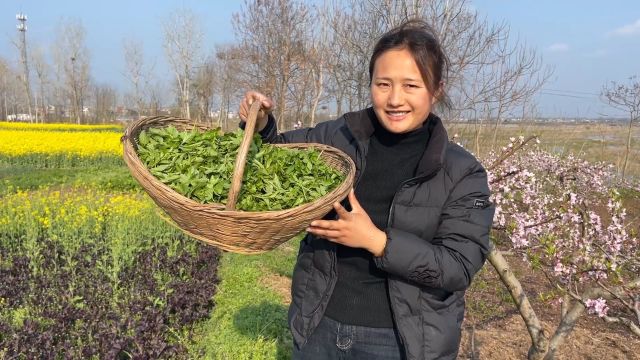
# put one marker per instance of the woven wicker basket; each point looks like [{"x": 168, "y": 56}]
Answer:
[{"x": 220, "y": 225}]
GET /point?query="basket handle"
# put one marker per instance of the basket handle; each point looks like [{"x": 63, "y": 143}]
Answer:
[{"x": 241, "y": 158}]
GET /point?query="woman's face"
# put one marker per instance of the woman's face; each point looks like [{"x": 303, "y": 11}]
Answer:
[{"x": 400, "y": 97}]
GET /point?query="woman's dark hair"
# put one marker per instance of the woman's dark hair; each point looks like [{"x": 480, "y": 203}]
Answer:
[{"x": 422, "y": 42}]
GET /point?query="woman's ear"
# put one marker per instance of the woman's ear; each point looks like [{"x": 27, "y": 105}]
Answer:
[{"x": 436, "y": 97}]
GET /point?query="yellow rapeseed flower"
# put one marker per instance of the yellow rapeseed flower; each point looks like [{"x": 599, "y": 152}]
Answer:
[
  {"x": 86, "y": 143},
  {"x": 68, "y": 127},
  {"x": 75, "y": 212}
]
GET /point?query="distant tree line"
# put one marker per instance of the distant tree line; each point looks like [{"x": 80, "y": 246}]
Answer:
[{"x": 309, "y": 57}]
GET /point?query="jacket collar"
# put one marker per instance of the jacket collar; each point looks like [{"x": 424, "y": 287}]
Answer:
[{"x": 360, "y": 124}]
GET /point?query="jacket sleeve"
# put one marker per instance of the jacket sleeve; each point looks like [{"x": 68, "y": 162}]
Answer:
[
  {"x": 459, "y": 247},
  {"x": 321, "y": 134}
]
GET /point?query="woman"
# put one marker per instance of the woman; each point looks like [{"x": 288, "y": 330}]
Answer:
[{"x": 385, "y": 279}]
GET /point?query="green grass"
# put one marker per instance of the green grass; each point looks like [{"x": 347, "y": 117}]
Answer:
[
  {"x": 107, "y": 177},
  {"x": 58, "y": 161},
  {"x": 592, "y": 142},
  {"x": 250, "y": 319}
]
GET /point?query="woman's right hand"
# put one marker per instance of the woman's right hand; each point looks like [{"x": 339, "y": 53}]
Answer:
[{"x": 265, "y": 109}]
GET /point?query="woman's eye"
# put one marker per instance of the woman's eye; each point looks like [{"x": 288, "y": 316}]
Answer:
[{"x": 383, "y": 84}]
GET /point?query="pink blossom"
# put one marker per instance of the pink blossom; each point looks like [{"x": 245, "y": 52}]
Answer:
[
  {"x": 547, "y": 204},
  {"x": 597, "y": 306}
]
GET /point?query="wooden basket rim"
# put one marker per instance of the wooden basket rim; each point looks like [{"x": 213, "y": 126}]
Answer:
[{"x": 130, "y": 154}]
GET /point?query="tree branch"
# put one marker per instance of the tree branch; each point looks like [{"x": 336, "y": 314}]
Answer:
[
  {"x": 614, "y": 319},
  {"x": 568, "y": 321}
]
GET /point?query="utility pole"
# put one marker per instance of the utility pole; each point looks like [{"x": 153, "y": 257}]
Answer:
[
  {"x": 22, "y": 29},
  {"x": 77, "y": 105}
]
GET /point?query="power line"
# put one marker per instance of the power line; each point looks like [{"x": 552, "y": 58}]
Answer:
[
  {"x": 566, "y": 95},
  {"x": 572, "y": 92}
]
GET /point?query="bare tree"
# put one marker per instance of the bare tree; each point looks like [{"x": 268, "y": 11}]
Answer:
[
  {"x": 6, "y": 78},
  {"x": 72, "y": 61},
  {"x": 137, "y": 73},
  {"x": 317, "y": 61},
  {"x": 105, "y": 101},
  {"x": 355, "y": 27},
  {"x": 157, "y": 95},
  {"x": 273, "y": 34},
  {"x": 227, "y": 62},
  {"x": 625, "y": 97},
  {"x": 204, "y": 87},
  {"x": 42, "y": 70},
  {"x": 182, "y": 40},
  {"x": 515, "y": 75}
]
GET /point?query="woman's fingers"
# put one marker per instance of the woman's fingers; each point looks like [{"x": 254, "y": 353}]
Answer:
[
  {"x": 265, "y": 108},
  {"x": 267, "y": 104},
  {"x": 355, "y": 204},
  {"x": 340, "y": 210},
  {"x": 243, "y": 112},
  {"x": 327, "y": 233},
  {"x": 325, "y": 224},
  {"x": 248, "y": 99}
]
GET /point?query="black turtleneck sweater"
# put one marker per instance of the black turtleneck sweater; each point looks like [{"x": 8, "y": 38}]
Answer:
[{"x": 360, "y": 296}]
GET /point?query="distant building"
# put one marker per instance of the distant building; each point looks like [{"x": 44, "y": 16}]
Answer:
[{"x": 20, "y": 117}]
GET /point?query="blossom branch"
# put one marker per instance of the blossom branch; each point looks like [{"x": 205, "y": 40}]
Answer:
[
  {"x": 569, "y": 321},
  {"x": 510, "y": 152},
  {"x": 557, "y": 217},
  {"x": 615, "y": 295},
  {"x": 505, "y": 176},
  {"x": 615, "y": 319}
]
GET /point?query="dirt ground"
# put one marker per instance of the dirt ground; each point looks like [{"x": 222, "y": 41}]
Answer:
[
  {"x": 508, "y": 339},
  {"x": 500, "y": 333}
]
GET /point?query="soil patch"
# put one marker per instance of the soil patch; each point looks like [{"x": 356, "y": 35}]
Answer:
[
  {"x": 280, "y": 284},
  {"x": 508, "y": 339}
]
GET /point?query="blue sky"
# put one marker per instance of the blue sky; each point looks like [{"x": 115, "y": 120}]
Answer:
[{"x": 587, "y": 42}]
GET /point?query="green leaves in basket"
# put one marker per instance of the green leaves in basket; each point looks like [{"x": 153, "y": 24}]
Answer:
[{"x": 199, "y": 165}]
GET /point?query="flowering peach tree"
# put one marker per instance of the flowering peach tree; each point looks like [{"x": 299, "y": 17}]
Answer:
[{"x": 565, "y": 217}]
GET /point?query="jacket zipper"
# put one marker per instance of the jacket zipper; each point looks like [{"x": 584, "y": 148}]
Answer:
[
  {"x": 325, "y": 295},
  {"x": 417, "y": 179},
  {"x": 363, "y": 163},
  {"x": 391, "y": 208}
]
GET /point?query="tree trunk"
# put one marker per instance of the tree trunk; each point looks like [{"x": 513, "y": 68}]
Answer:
[
  {"x": 282, "y": 100},
  {"x": 477, "y": 136},
  {"x": 495, "y": 127},
  {"x": 628, "y": 148},
  {"x": 316, "y": 99},
  {"x": 539, "y": 342}
]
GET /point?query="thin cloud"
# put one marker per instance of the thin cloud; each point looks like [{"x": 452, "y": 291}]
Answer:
[
  {"x": 627, "y": 30},
  {"x": 558, "y": 47},
  {"x": 596, "y": 53}
]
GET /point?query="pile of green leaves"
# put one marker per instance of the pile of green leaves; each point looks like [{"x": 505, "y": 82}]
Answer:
[{"x": 199, "y": 165}]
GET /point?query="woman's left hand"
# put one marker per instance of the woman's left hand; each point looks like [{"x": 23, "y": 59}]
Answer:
[{"x": 354, "y": 229}]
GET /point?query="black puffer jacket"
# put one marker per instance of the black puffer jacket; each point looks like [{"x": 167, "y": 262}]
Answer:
[{"x": 437, "y": 239}]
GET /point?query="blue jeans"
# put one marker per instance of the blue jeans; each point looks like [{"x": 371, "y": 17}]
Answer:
[{"x": 334, "y": 340}]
